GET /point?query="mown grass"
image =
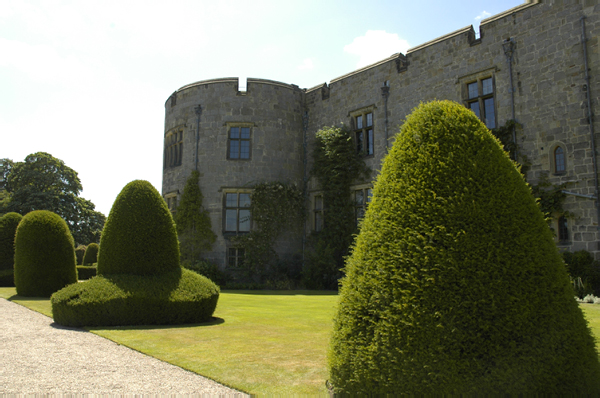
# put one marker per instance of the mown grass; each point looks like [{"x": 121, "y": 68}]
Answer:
[{"x": 272, "y": 343}]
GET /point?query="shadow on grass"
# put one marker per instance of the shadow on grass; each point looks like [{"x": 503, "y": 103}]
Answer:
[
  {"x": 214, "y": 321},
  {"x": 283, "y": 292},
  {"x": 26, "y": 298}
]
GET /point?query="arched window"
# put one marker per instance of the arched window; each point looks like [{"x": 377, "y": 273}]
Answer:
[
  {"x": 563, "y": 230},
  {"x": 559, "y": 160}
]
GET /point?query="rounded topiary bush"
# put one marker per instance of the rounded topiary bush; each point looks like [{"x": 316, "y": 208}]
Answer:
[
  {"x": 139, "y": 281},
  {"x": 8, "y": 228},
  {"x": 79, "y": 253},
  {"x": 91, "y": 254},
  {"x": 139, "y": 236},
  {"x": 44, "y": 254},
  {"x": 455, "y": 285}
]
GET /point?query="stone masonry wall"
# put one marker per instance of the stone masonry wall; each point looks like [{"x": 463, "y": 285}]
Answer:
[{"x": 550, "y": 102}]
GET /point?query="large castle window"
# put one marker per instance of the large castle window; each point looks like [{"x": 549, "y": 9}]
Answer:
[
  {"x": 363, "y": 133},
  {"x": 173, "y": 149},
  {"x": 235, "y": 257},
  {"x": 171, "y": 199},
  {"x": 559, "y": 160},
  {"x": 361, "y": 121},
  {"x": 238, "y": 143},
  {"x": 563, "y": 230},
  {"x": 480, "y": 99},
  {"x": 237, "y": 212}
]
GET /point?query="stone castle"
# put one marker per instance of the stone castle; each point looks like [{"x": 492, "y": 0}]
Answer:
[{"x": 537, "y": 64}]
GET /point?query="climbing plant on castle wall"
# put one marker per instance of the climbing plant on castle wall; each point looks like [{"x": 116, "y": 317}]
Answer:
[
  {"x": 336, "y": 166},
  {"x": 276, "y": 207},
  {"x": 550, "y": 196}
]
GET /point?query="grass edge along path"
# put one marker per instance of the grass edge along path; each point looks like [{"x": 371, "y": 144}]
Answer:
[{"x": 261, "y": 342}]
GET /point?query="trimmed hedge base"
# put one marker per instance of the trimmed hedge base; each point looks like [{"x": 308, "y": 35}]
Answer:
[
  {"x": 177, "y": 297},
  {"x": 85, "y": 272}
]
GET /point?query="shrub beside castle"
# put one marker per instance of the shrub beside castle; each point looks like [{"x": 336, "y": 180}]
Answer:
[
  {"x": 454, "y": 284},
  {"x": 139, "y": 277},
  {"x": 44, "y": 254},
  {"x": 8, "y": 228}
]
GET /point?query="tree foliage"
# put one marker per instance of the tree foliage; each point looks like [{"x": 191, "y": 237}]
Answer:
[
  {"x": 43, "y": 182},
  {"x": 454, "y": 285},
  {"x": 194, "y": 228}
]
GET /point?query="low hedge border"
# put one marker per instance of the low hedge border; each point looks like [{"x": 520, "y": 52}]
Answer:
[
  {"x": 85, "y": 272},
  {"x": 177, "y": 297}
]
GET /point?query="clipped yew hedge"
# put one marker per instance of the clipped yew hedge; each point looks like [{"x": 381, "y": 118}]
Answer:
[
  {"x": 454, "y": 284},
  {"x": 44, "y": 254},
  {"x": 177, "y": 297},
  {"x": 8, "y": 228},
  {"x": 139, "y": 281},
  {"x": 91, "y": 254}
]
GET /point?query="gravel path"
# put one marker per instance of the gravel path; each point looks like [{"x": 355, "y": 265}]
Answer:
[{"x": 40, "y": 357}]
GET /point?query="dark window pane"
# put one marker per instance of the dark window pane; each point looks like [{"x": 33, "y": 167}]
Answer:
[
  {"x": 234, "y": 149},
  {"x": 234, "y": 132},
  {"x": 563, "y": 231},
  {"x": 231, "y": 200},
  {"x": 369, "y": 194},
  {"x": 244, "y": 221},
  {"x": 369, "y": 119},
  {"x": 369, "y": 142},
  {"x": 245, "y": 150},
  {"x": 486, "y": 85},
  {"x": 231, "y": 220},
  {"x": 473, "y": 90},
  {"x": 232, "y": 260},
  {"x": 559, "y": 160},
  {"x": 244, "y": 200},
  {"x": 359, "y": 122},
  {"x": 245, "y": 132},
  {"x": 474, "y": 106},
  {"x": 318, "y": 221},
  {"x": 359, "y": 198},
  {"x": 318, "y": 202},
  {"x": 490, "y": 117},
  {"x": 359, "y": 141}
]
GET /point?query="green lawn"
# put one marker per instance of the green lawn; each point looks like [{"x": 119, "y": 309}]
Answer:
[{"x": 261, "y": 342}]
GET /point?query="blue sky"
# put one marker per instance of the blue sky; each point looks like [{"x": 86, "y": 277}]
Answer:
[{"x": 86, "y": 81}]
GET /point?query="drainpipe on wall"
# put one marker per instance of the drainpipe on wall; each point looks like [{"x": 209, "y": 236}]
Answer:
[
  {"x": 305, "y": 177},
  {"x": 508, "y": 46},
  {"x": 590, "y": 117},
  {"x": 385, "y": 93},
  {"x": 198, "y": 111}
]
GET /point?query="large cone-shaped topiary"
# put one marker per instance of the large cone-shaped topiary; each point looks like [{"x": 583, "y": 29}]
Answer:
[
  {"x": 140, "y": 280},
  {"x": 454, "y": 285},
  {"x": 8, "y": 228},
  {"x": 44, "y": 255}
]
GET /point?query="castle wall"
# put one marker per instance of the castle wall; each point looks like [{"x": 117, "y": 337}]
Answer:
[
  {"x": 550, "y": 102},
  {"x": 270, "y": 109}
]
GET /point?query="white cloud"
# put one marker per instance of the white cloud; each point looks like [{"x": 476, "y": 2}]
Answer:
[
  {"x": 483, "y": 15},
  {"x": 376, "y": 45},
  {"x": 307, "y": 64}
]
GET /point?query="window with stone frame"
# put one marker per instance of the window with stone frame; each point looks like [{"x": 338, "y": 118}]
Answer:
[
  {"x": 364, "y": 137},
  {"x": 563, "y": 230},
  {"x": 559, "y": 160},
  {"x": 480, "y": 99},
  {"x": 362, "y": 198},
  {"x": 318, "y": 220},
  {"x": 238, "y": 142},
  {"x": 173, "y": 155},
  {"x": 235, "y": 257},
  {"x": 236, "y": 217},
  {"x": 171, "y": 199}
]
